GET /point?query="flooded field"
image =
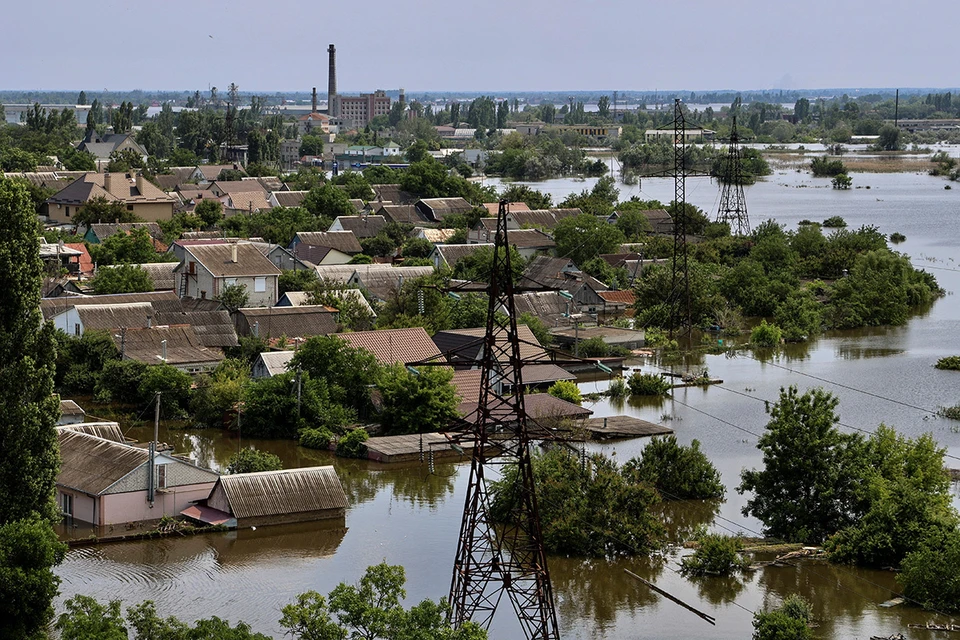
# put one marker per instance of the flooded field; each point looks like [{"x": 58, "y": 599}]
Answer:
[{"x": 405, "y": 515}]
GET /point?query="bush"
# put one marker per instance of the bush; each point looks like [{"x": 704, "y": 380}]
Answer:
[
  {"x": 950, "y": 363},
  {"x": 618, "y": 388},
  {"x": 835, "y": 222},
  {"x": 316, "y": 438},
  {"x": 841, "y": 181},
  {"x": 593, "y": 347},
  {"x": 929, "y": 575},
  {"x": 587, "y": 508},
  {"x": 565, "y": 390},
  {"x": 824, "y": 166},
  {"x": 253, "y": 460},
  {"x": 766, "y": 335},
  {"x": 897, "y": 238},
  {"x": 648, "y": 384},
  {"x": 120, "y": 381},
  {"x": 717, "y": 555},
  {"x": 790, "y": 621},
  {"x": 352, "y": 445},
  {"x": 678, "y": 472}
]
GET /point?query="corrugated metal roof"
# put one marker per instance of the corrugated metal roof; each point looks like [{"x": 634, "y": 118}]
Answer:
[
  {"x": 162, "y": 301},
  {"x": 625, "y": 296},
  {"x": 218, "y": 259},
  {"x": 106, "y": 317},
  {"x": 71, "y": 408},
  {"x": 275, "y": 493},
  {"x": 542, "y": 218},
  {"x": 105, "y": 430},
  {"x": 161, "y": 274},
  {"x": 401, "y": 213},
  {"x": 275, "y": 362},
  {"x": 183, "y": 346},
  {"x": 440, "y": 208},
  {"x": 454, "y": 253},
  {"x": 292, "y": 322},
  {"x": 391, "y": 346},
  {"x": 384, "y": 283},
  {"x": 458, "y": 344},
  {"x": 345, "y": 241},
  {"x": 362, "y": 226},
  {"x": 90, "y": 464},
  {"x": 290, "y": 198}
]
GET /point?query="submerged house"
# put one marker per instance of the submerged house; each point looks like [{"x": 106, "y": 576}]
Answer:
[
  {"x": 273, "y": 497},
  {"x": 103, "y": 482}
]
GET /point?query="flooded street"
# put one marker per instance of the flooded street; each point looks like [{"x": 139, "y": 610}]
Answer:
[{"x": 404, "y": 515}]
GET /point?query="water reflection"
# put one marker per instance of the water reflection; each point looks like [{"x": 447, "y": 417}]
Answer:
[
  {"x": 719, "y": 590},
  {"x": 682, "y": 519}
]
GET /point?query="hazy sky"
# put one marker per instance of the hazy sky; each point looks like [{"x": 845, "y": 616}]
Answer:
[{"x": 488, "y": 45}]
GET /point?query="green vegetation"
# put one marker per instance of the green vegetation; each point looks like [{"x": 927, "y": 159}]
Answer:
[
  {"x": 949, "y": 412},
  {"x": 678, "y": 472},
  {"x": 950, "y": 363},
  {"x": 618, "y": 388},
  {"x": 841, "y": 181},
  {"x": 826, "y": 167},
  {"x": 716, "y": 555},
  {"x": 418, "y": 401},
  {"x": 928, "y": 573},
  {"x": 565, "y": 390},
  {"x": 766, "y": 335},
  {"x": 253, "y": 460},
  {"x": 648, "y": 384},
  {"x": 790, "y": 621},
  {"x": 352, "y": 444},
  {"x": 589, "y": 509},
  {"x": 834, "y": 222},
  {"x": 29, "y": 457},
  {"x": 121, "y": 278},
  {"x": 897, "y": 238},
  {"x": 316, "y": 438}
]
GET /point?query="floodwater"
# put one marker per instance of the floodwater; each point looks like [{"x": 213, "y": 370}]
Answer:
[{"x": 404, "y": 515}]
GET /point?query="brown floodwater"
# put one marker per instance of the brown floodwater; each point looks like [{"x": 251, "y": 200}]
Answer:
[{"x": 405, "y": 515}]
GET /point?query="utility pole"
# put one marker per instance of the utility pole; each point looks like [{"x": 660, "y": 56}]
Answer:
[
  {"x": 152, "y": 469},
  {"x": 680, "y": 315},
  {"x": 733, "y": 203}
]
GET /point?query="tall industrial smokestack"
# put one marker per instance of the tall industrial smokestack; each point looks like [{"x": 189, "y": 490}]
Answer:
[
  {"x": 333, "y": 109},
  {"x": 314, "y": 100}
]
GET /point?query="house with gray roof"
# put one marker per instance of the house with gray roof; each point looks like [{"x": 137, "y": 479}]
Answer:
[
  {"x": 290, "y": 322},
  {"x": 362, "y": 226},
  {"x": 207, "y": 269},
  {"x": 437, "y": 209},
  {"x": 448, "y": 255}
]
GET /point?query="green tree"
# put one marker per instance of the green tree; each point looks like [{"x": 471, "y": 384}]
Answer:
[
  {"x": 587, "y": 508},
  {"x": 372, "y": 610},
  {"x": 29, "y": 458},
  {"x": 121, "y": 278},
  {"x": 310, "y": 146},
  {"x": 531, "y": 197},
  {"x": 414, "y": 402},
  {"x": 234, "y": 296},
  {"x": 348, "y": 372},
  {"x": 889, "y": 138},
  {"x": 99, "y": 209},
  {"x": 807, "y": 488},
  {"x": 327, "y": 201},
  {"x": 679, "y": 472},
  {"x": 87, "y": 619},
  {"x": 478, "y": 265},
  {"x": 172, "y": 384},
  {"x": 565, "y": 390},
  {"x": 928, "y": 572},
  {"x": 789, "y": 621},
  {"x": 584, "y": 237},
  {"x": 841, "y": 181},
  {"x": 209, "y": 211},
  {"x": 274, "y": 409},
  {"x": 136, "y": 247},
  {"x": 253, "y": 460},
  {"x": 219, "y": 392}
]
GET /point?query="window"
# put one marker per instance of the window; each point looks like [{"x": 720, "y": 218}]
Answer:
[
  {"x": 203, "y": 295},
  {"x": 76, "y": 329},
  {"x": 68, "y": 212},
  {"x": 229, "y": 282},
  {"x": 66, "y": 504},
  {"x": 161, "y": 476},
  {"x": 129, "y": 207},
  {"x": 259, "y": 285}
]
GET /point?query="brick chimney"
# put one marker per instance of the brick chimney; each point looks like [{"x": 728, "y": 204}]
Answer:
[
  {"x": 108, "y": 182},
  {"x": 140, "y": 183}
]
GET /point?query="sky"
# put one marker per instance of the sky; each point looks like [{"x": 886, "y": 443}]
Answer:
[{"x": 490, "y": 45}]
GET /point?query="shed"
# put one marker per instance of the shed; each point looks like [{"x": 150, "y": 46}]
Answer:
[
  {"x": 278, "y": 497},
  {"x": 70, "y": 413},
  {"x": 271, "y": 363}
]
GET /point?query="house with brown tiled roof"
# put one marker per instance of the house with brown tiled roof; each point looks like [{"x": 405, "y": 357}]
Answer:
[
  {"x": 393, "y": 346},
  {"x": 493, "y": 208},
  {"x": 207, "y": 268},
  {"x": 287, "y": 198},
  {"x": 140, "y": 196},
  {"x": 245, "y": 202}
]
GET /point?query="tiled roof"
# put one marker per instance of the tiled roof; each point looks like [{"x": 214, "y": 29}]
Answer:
[
  {"x": 436, "y": 236},
  {"x": 290, "y": 198},
  {"x": 625, "y": 296},
  {"x": 84, "y": 260},
  {"x": 182, "y": 344},
  {"x": 162, "y": 301},
  {"x": 493, "y": 208},
  {"x": 392, "y": 346},
  {"x": 122, "y": 187},
  {"x": 248, "y": 201}
]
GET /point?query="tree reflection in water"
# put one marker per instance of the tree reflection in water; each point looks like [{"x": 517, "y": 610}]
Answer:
[
  {"x": 682, "y": 518},
  {"x": 412, "y": 484}
]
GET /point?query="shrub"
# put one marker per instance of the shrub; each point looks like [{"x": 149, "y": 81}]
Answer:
[
  {"x": 841, "y": 181},
  {"x": 717, "y": 555},
  {"x": 618, "y": 388},
  {"x": 835, "y": 222},
  {"x": 950, "y": 363},
  {"x": 565, "y": 390},
  {"x": 766, "y": 335},
  {"x": 929, "y": 575},
  {"x": 593, "y": 347},
  {"x": 252, "y": 460},
  {"x": 824, "y": 166},
  {"x": 677, "y": 471},
  {"x": 120, "y": 381},
  {"x": 316, "y": 438},
  {"x": 352, "y": 445},
  {"x": 790, "y": 621},
  {"x": 897, "y": 238},
  {"x": 648, "y": 384}
]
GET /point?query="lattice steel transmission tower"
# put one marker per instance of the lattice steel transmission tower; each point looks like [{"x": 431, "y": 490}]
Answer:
[
  {"x": 508, "y": 557},
  {"x": 733, "y": 204},
  {"x": 680, "y": 316}
]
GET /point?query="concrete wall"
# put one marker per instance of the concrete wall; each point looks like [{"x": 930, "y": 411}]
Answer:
[{"x": 154, "y": 211}]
